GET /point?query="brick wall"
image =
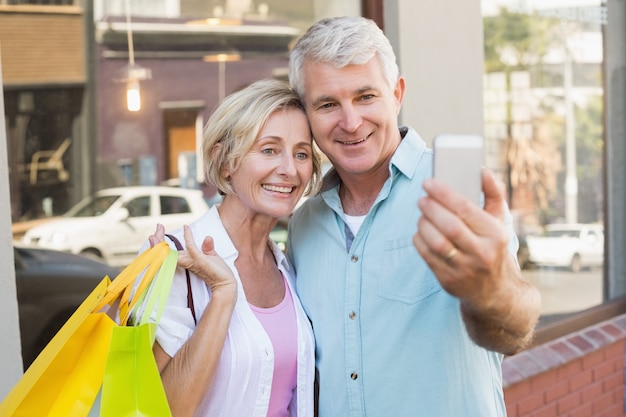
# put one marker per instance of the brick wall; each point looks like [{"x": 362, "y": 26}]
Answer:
[{"x": 579, "y": 375}]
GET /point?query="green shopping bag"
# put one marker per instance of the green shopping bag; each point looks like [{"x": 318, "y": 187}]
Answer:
[{"x": 132, "y": 384}]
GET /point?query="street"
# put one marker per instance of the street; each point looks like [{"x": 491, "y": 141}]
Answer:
[{"x": 563, "y": 291}]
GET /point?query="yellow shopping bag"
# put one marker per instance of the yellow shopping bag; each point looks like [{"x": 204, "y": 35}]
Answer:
[{"x": 65, "y": 378}]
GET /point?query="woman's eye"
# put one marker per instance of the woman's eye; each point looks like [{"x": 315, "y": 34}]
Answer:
[
  {"x": 302, "y": 155},
  {"x": 268, "y": 151}
]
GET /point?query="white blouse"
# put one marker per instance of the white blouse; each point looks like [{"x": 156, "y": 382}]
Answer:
[{"x": 243, "y": 381}]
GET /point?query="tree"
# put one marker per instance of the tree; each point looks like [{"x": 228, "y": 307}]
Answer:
[{"x": 519, "y": 42}]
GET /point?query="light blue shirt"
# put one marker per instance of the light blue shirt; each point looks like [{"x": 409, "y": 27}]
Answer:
[{"x": 389, "y": 340}]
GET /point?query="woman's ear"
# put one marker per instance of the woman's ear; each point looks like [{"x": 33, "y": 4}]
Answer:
[{"x": 216, "y": 151}]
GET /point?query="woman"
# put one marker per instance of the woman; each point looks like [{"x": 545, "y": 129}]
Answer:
[{"x": 251, "y": 351}]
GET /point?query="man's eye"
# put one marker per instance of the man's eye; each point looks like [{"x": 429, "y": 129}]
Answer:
[
  {"x": 367, "y": 97},
  {"x": 326, "y": 106}
]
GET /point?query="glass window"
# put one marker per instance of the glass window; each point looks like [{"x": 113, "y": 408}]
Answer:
[
  {"x": 138, "y": 207},
  {"x": 174, "y": 205},
  {"x": 544, "y": 111}
]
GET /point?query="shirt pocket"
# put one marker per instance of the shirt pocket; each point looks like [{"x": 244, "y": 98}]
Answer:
[{"x": 403, "y": 274}]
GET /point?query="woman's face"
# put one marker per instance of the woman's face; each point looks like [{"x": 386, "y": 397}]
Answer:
[{"x": 274, "y": 174}]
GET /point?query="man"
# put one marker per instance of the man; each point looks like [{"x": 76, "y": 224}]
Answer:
[{"x": 399, "y": 332}]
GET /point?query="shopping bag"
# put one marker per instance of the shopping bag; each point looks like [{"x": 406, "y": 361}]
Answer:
[
  {"x": 65, "y": 378},
  {"x": 132, "y": 384}
]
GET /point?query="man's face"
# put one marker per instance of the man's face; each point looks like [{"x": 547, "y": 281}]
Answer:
[{"x": 353, "y": 114}]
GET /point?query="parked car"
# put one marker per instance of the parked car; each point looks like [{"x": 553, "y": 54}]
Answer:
[
  {"x": 112, "y": 224},
  {"x": 574, "y": 246},
  {"x": 50, "y": 287}
]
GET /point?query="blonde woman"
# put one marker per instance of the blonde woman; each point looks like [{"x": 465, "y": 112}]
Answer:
[{"x": 234, "y": 340}]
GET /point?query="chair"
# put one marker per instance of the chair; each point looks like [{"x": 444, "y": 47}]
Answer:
[{"x": 48, "y": 160}]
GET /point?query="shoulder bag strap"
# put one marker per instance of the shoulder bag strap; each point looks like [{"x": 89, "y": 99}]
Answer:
[{"x": 189, "y": 293}]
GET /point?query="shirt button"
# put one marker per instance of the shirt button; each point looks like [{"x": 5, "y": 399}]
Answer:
[
  {"x": 354, "y": 375},
  {"x": 355, "y": 258},
  {"x": 352, "y": 315}
]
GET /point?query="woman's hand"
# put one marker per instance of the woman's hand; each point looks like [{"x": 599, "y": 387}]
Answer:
[{"x": 204, "y": 261}]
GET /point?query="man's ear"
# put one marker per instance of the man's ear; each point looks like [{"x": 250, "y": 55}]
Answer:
[{"x": 398, "y": 93}]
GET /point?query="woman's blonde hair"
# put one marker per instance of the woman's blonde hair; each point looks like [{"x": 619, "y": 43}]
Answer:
[{"x": 236, "y": 123}]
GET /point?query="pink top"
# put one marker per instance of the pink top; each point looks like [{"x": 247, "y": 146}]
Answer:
[{"x": 280, "y": 324}]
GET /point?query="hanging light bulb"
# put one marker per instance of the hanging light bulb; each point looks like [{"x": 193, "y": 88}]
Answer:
[
  {"x": 133, "y": 73},
  {"x": 133, "y": 98}
]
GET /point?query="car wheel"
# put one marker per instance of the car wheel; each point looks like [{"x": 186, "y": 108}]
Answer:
[
  {"x": 575, "y": 264},
  {"x": 92, "y": 254}
]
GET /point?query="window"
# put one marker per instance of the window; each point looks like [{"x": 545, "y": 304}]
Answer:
[
  {"x": 138, "y": 207},
  {"x": 174, "y": 205},
  {"x": 544, "y": 121}
]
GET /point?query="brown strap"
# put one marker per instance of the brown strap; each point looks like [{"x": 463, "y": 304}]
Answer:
[{"x": 189, "y": 293}]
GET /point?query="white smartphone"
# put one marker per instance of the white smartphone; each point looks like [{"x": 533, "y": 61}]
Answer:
[{"x": 458, "y": 162}]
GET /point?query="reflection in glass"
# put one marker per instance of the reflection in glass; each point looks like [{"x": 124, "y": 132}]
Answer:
[{"x": 543, "y": 91}]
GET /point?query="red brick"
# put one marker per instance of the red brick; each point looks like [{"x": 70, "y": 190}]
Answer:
[
  {"x": 573, "y": 368},
  {"x": 579, "y": 381},
  {"x": 614, "y": 350},
  {"x": 530, "y": 403},
  {"x": 546, "y": 357},
  {"x": 593, "y": 359},
  {"x": 543, "y": 381},
  {"x": 617, "y": 410},
  {"x": 597, "y": 337},
  {"x": 602, "y": 403},
  {"x": 592, "y": 391},
  {"x": 558, "y": 390},
  {"x": 613, "y": 382},
  {"x": 517, "y": 392},
  {"x": 569, "y": 403},
  {"x": 585, "y": 410},
  {"x": 527, "y": 366},
  {"x": 565, "y": 350},
  {"x": 603, "y": 370},
  {"x": 618, "y": 396},
  {"x": 581, "y": 343},
  {"x": 613, "y": 330},
  {"x": 549, "y": 410}
]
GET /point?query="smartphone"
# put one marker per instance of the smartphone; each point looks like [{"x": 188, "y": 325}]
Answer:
[{"x": 458, "y": 162}]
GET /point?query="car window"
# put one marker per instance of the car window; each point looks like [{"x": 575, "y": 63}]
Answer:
[
  {"x": 562, "y": 233},
  {"x": 174, "y": 205},
  {"x": 95, "y": 206},
  {"x": 138, "y": 207}
]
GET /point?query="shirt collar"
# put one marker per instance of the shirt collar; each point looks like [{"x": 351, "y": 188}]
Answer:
[{"x": 224, "y": 245}]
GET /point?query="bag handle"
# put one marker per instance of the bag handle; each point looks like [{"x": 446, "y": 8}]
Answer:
[
  {"x": 149, "y": 261},
  {"x": 157, "y": 294},
  {"x": 190, "y": 305}
]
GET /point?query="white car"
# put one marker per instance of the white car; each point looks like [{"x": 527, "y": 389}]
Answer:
[
  {"x": 574, "y": 246},
  {"x": 113, "y": 223}
]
